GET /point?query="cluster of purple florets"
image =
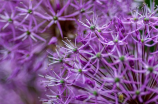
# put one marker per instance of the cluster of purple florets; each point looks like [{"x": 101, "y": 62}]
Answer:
[{"x": 113, "y": 58}]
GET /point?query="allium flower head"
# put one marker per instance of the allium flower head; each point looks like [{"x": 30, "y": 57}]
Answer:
[
  {"x": 115, "y": 64},
  {"x": 56, "y": 17},
  {"x": 84, "y": 51}
]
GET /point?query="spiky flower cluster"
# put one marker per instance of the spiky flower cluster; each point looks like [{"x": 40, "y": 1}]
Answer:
[
  {"x": 26, "y": 24},
  {"x": 112, "y": 59},
  {"x": 108, "y": 63}
]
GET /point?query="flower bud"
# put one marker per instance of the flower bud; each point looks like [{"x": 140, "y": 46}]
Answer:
[
  {"x": 81, "y": 97},
  {"x": 90, "y": 83}
]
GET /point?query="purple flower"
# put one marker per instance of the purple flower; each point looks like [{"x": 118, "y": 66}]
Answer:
[
  {"x": 53, "y": 40},
  {"x": 30, "y": 32},
  {"x": 81, "y": 97},
  {"x": 54, "y": 18},
  {"x": 9, "y": 20},
  {"x": 111, "y": 63},
  {"x": 112, "y": 59},
  {"x": 81, "y": 7},
  {"x": 29, "y": 11}
]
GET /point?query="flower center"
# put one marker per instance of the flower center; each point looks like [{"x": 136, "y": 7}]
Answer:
[
  {"x": 60, "y": 60},
  {"x": 120, "y": 96},
  {"x": 116, "y": 40},
  {"x": 135, "y": 19},
  {"x": 84, "y": 32},
  {"x": 150, "y": 69},
  {"x": 55, "y": 18},
  {"x": 146, "y": 19},
  {"x": 80, "y": 70},
  {"x": 29, "y": 11},
  {"x": 142, "y": 40},
  {"x": 137, "y": 92},
  {"x": 62, "y": 81},
  {"x": 99, "y": 30},
  {"x": 122, "y": 58},
  {"x": 82, "y": 10},
  {"x": 28, "y": 32},
  {"x": 27, "y": 55},
  {"x": 57, "y": 96},
  {"x": 10, "y": 20},
  {"x": 95, "y": 93},
  {"x": 74, "y": 49},
  {"x": 92, "y": 27},
  {"x": 117, "y": 80},
  {"x": 98, "y": 55}
]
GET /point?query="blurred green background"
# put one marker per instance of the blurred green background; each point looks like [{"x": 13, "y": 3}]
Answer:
[{"x": 148, "y": 2}]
